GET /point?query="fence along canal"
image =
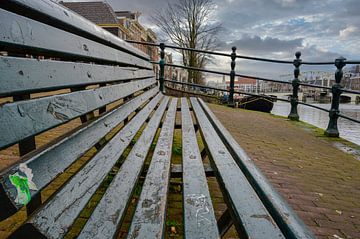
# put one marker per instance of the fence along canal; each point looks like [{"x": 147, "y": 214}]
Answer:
[{"x": 334, "y": 112}]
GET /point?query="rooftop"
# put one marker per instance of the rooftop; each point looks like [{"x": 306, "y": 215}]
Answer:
[{"x": 99, "y": 12}]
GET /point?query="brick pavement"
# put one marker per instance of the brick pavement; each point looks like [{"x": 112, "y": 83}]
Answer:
[{"x": 319, "y": 181}]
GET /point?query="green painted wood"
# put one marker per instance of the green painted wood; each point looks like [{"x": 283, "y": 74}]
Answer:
[
  {"x": 291, "y": 225},
  {"x": 199, "y": 217},
  {"x": 108, "y": 214},
  {"x": 50, "y": 162},
  {"x": 22, "y": 119},
  {"x": 56, "y": 15},
  {"x": 24, "y": 75},
  {"x": 252, "y": 218},
  {"x": 149, "y": 218},
  {"x": 18, "y": 32},
  {"x": 55, "y": 218}
]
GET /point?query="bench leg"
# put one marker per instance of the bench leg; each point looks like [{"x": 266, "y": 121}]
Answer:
[
  {"x": 102, "y": 109},
  {"x": 225, "y": 222},
  {"x": 204, "y": 154},
  {"x": 88, "y": 116},
  {"x": 25, "y": 146}
]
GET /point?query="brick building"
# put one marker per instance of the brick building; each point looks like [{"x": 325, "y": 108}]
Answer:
[
  {"x": 123, "y": 24},
  {"x": 245, "y": 84}
]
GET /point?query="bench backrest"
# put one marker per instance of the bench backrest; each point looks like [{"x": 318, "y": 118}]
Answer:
[{"x": 45, "y": 47}]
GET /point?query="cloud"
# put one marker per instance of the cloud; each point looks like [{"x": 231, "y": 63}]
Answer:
[
  {"x": 257, "y": 45},
  {"x": 346, "y": 32}
]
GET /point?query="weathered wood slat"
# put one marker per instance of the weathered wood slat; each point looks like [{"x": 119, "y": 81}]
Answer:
[
  {"x": 55, "y": 218},
  {"x": 20, "y": 120},
  {"x": 291, "y": 225},
  {"x": 52, "y": 161},
  {"x": 23, "y": 75},
  {"x": 109, "y": 212},
  {"x": 252, "y": 218},
  {"x": 149, "y": 218},
  {"x": 19, "y": 32},
  {"x": 199, "y": 218},
  {"x": 58, "y": 16}
]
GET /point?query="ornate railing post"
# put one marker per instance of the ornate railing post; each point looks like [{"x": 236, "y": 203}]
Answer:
[
  {"x": 295, "y": 84},
  {"x": 231, "y": 102},
  {"x": 162, "y": 67},
  {"x": 332, "y": 129}
]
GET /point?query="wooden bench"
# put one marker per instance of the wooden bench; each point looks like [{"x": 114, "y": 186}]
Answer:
[{"x": 46, "y": 48}]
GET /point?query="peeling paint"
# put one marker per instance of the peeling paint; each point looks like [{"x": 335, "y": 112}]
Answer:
[
  {"x": 21, "y": 111},
  {"x": 202, "y": 211},
  {"x": 161, "y": 152},
  {"x": 264, "y": 216},
  {"x": 57, "y": 115}
]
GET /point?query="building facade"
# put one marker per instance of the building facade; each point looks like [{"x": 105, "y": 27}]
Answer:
[
  {"x": 123, "y": 24},
  {"x": 246, "y": 85}
]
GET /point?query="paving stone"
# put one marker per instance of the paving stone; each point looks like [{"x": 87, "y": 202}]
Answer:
[{"x": 313, "y": 176}]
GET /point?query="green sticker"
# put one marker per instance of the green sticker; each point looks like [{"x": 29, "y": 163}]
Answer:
[{"x": 22, "y": 186}]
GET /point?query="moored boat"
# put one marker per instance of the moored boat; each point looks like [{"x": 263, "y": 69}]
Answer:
[{"x": 257, "y": 103}]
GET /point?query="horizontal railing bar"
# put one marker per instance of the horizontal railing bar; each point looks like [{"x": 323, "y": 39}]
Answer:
[
  {"x": 348, "y": 118},
  {"x": 313, "y": 106},
  {"x": 351, "y": 91},
  {"x": 263, "y": 96},
  {"x": 350, "y": 62},
  {"x": 223, "y": 90},
  {"x": 254, "y": 77}
]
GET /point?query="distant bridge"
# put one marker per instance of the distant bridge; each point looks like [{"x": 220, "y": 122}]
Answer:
[{"x": 285, "y": 95}]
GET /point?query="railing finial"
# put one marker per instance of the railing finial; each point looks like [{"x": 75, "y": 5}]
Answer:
[
  {"x": 332, "y": 129},
  {"x": 231, "y": 102},
  {"x": 295, "y": 84}
]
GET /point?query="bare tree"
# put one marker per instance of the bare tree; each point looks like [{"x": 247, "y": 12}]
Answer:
[{"x": 188, "y": 23}]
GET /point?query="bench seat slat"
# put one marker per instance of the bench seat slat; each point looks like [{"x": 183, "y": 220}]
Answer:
[
  {"x": 285, "y": 217},
  {"x": 149, "y": 217},
  {"x": 109, "y": 212},
  {"x": 23, "y": 33},
  {"x": 199, "y": 218},
  {"x": 18, "y": 75},
  {"x": 50, "y": 162},
  {"x": 54, "y": 219},
  {"x": 22, "y": 119},
  {"x": 52, "y": 13},
  {"x": 252, "y": 219}
]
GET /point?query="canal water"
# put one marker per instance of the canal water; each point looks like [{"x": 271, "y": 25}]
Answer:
[{"x": 348, "y": 130}]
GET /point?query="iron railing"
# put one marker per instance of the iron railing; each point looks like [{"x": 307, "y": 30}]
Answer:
[{"x": 336, "y": 89}]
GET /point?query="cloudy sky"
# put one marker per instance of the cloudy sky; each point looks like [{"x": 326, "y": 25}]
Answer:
[{"x": 320, "y": 29}]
